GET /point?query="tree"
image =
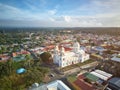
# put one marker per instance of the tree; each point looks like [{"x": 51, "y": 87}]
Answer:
[
  {"x": 37, "y": 62},
  {"x": 33, "y": 75},
  {"x": 6, "y": 68},
  {"x": 2, "y": 49},
  {"x": 9, "y": 80},
  {"x": 28, "y": 61},
  {"x": 16, "y": 48},
  {"x": 46, "y": 57}
]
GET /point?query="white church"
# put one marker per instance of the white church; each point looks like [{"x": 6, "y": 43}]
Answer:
[{"x": 64, "y": 58}]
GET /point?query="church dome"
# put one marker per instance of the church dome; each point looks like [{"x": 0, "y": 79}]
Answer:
[
  {"x": 62, "y": 49},
  {"x": 76, "y": 47},
  {"x": 76, "y": 44},
  {"x": 56, "y": 48}
]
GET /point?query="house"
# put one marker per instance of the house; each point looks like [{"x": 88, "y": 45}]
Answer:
[
  {"x": 19, "y": 56},
  {"x": 4, "y": 57},
  {"x": 116, "y": 58},
  {"x": 113, "y": 84},
  {"x": 54, "y": 85},
  {"x": 87, "y": 80},
  {"x": 101, "y": 74},
  {"x": 24, "y": 52}
]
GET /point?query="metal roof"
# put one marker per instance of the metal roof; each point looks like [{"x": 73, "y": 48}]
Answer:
[
  {"x": 91, "y": 77},
  {"x": 115, "y": 81}
]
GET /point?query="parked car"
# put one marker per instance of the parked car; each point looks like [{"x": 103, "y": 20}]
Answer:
[{"x": 52, "y": 75}]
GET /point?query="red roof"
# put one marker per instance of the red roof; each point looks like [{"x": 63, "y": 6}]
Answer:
[
  {"x": 4, "y": 56},
  {"x": 81, "y": 77},
  {"x": 67, "y": 49},
  {"x": 82, "y": 84},
  {"x": 53, "y": 46},
  {"x": 22, "y": 52},
  {"x": 49, "y": 47},
  {"x": 25, "y": 52},
  {"x": 66, "y": 43}
]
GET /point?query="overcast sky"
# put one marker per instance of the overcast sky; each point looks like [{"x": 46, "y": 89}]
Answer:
[{"x": 60, "y": 13}]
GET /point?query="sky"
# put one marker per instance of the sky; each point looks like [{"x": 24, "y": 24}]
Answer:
[{"x": 60, "y": 13}]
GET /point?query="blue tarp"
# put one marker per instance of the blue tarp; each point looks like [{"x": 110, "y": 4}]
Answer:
[{"x": 20, "y": 70}]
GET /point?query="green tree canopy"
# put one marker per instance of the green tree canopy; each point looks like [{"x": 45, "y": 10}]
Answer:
[{"x": 46, "y": 57}]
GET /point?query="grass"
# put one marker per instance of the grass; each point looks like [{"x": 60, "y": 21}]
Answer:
[
  {"x": 86, "y": 62},
  {"x": 72, "y": 78},
  {"x": 76, "y": 65}
]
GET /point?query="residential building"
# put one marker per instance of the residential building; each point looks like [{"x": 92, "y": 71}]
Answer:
[
  {"x": 55, "y": 85},
  {"x": 113, "y": 84}
]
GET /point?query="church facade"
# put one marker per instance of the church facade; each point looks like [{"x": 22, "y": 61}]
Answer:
[{"x": 65, "y": 58}]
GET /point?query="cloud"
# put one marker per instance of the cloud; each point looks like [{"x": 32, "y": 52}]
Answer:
[
  {"x": 10, "y": 12},
  {"x": 108, "y": 6},
  {"x": 5, "y": 8},
  {"x": 94, "y": 7},
  {"x": 96, "y": 13},
  {"x": 35, "y": 4},
  {"x": 30, "y": 5},
  {"x": 52, "y": 12},
  {"x": 52, "y": 19},
  {"x": 67, "y": 18}
]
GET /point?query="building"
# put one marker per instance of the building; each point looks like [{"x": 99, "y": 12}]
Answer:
[
  {"x": 113, "y": 84},
  {"x": 19, "y": 56},
  {"x": 93, "y": 80},
  {"x": 4, "y": 57},
  {"x": 22, "y": 52},
  {"x": 55, "y": 85},
  {"x": 64, "y": 58},
  {"x": 116, "y": 58},
  {"x": 101, "y": 74}
]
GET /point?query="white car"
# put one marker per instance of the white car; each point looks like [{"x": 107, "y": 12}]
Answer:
[{"x": 52, "y": 75}]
